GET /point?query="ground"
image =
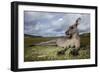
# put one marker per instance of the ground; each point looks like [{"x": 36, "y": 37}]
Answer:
[{"x": 45, "y": 53}]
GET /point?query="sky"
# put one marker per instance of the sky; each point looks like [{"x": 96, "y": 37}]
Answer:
[{"x": 52, "y": 24}]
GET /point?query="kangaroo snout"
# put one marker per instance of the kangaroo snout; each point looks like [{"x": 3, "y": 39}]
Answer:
[{"x": 67, "y": 33}]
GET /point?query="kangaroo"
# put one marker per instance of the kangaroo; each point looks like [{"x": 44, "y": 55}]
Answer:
[{"x": 71, "y": 39}]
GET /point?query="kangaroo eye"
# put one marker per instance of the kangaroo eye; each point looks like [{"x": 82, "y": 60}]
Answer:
[{"x": 71, "y": 27}]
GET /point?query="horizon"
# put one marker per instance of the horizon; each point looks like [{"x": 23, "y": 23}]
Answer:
[{"x": 54, "y": 36}]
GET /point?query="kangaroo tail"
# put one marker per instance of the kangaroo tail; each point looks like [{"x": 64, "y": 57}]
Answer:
[{"x": 51, "y": 42}]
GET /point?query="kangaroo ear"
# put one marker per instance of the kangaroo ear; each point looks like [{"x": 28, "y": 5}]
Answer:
[{"x": 77, "y": 21}]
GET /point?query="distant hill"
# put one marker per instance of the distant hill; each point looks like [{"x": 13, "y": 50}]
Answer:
[
  {"x": 27, "y": 35},
  {"x": 34, "y": 36},
  {"x": 85, "y": 35}
]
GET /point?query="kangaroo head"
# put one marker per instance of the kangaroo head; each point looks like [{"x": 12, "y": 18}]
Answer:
[{"x": 73, "y": 29}]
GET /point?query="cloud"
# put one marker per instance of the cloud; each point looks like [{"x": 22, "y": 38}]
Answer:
[{"x": 53, "y": 24}]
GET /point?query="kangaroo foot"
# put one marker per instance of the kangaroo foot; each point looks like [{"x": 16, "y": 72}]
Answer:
[
  {"x": 74, "y": 52},
  {"x": 62, "y": 52}
]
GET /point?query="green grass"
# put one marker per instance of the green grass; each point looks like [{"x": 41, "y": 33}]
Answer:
[{"x": 46, "y": 53}]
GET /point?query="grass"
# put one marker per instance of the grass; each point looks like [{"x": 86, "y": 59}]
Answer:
[{"x": 46, "y": 53}]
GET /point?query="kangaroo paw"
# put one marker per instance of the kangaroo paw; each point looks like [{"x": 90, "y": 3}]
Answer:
[
  {"x": 74, "y": 52},
  {"x": 62, "y": 52}
]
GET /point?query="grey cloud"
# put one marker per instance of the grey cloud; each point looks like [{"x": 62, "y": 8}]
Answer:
[{"x": 53, "y": 24}]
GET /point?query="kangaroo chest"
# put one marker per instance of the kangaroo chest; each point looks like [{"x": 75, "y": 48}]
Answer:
[{"x": 69, "y": 42}]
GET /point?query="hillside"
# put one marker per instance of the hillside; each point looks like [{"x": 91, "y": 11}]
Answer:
[{"x": 27, "y": 35}]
